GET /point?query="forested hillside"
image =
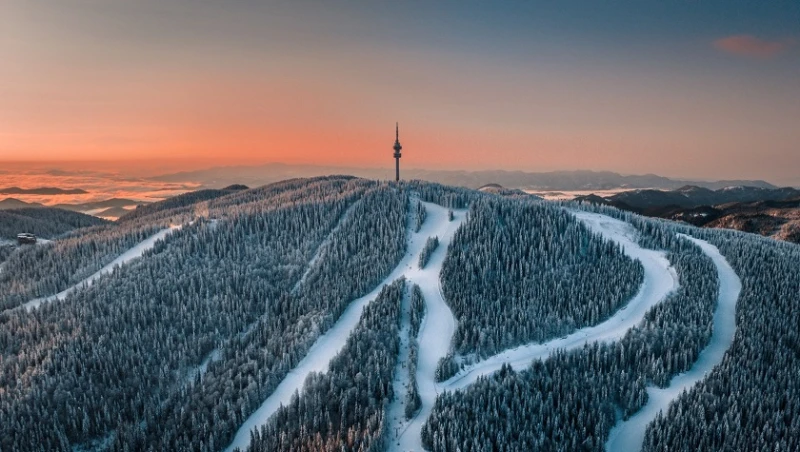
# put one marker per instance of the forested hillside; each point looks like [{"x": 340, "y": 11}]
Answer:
[
  {"x": 752, "y": 400},
  {"x": 208, "y": 282},
  {"x": 44, "y": 222},
  {"x": 179, "y": 348},
  {"x": 569, "y": 401},
  {"x": 344, "y": 408},
  {"x": 521, "y": 271}
]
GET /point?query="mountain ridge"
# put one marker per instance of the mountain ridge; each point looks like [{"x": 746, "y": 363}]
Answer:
[{"x": 554, "y": 180}]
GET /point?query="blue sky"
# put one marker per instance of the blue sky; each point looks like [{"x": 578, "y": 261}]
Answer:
[{"x": 704, "y": 89}]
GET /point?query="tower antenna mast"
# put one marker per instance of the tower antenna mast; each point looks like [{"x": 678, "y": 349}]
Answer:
[{"x": 397, "y": 155}]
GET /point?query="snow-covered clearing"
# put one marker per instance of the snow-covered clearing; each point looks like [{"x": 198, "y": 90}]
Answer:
[
  {"x": 122, "y": 259},
  {"x": 434, "y": 343},
  {"x": 435, "y": 334},
  {"x": 660, "y": 279},
  {"x": 629, "y": 435}
]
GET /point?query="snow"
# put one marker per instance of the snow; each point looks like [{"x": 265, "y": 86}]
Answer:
[
  {"x": 660, "y": 279},
  {"x": 122, "y": 259},
  {"x": 437, "y": 340},
  {"x": 436, "y": 331},
  {"x": 629, "y": 435}
]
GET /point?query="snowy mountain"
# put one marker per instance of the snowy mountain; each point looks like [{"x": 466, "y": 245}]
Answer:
[{"x": 338, "y": 313}]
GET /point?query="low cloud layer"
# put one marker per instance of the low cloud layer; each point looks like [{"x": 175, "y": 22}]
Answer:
[{"x": 752, "y": 47}]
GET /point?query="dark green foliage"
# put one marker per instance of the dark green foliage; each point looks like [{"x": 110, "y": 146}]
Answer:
[
  {"x": 523, "y": 271},
  {"x": 568, "y": 402},
  {"x": 42, "y": 270},
  {"x": 417, "y": 310},
  {"x": 345, "y": 408},
  {"x": 44, "y": 222},
  {"x": 419, "y": 216},
  {"x": 751, "y": 401},
  {"x": 430, "y": 247},
  {"x": 185, "y": 203},
  {"x": 114, "y": 357},
  {"x": 413, "y": 401}
]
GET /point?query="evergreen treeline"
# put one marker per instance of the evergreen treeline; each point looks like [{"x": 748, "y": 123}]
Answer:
[
  {"x": 430, "y": 246},
  {"x": 187, "y": 201},
  {"x": 345, "y": 408},
  {"x": 412, "y": 399},
  {"x": 45, "y": 222},
  {"x": 417, "y": 310},
  {"x": 110, "y": 361},
  {"x": 522, "y": 271},
  {"x": 117, "y": 364},
  {"x": 569, "y": 401},
  {"x": 42, "y": 270},
  {"x": 419, "y": 216},
  {"x": 751, "y": 401}
]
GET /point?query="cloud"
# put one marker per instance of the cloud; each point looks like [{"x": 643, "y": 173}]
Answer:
[{"x": 753, "y": 47}]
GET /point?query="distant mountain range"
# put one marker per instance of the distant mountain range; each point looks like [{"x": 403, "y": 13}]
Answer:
[
  {"x": 41, "y": 191},
  {"x": 769, "y": 212},
  {"x": 694, "y": 196},
  {"x": 555, "y": 181},
  {"x": 14, "y": 203},
  {"x": 109, "y": 208}
]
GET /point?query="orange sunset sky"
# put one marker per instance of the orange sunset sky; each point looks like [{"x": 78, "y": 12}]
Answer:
[{"x": 689, "y": 89}]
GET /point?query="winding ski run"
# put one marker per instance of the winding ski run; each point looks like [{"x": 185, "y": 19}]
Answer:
[
  {"x": 329, "y": 344},
  {"x": 629, "y": 435},
  {"x": 660, "y": 280},
  {"x": 135, "y": 252}
]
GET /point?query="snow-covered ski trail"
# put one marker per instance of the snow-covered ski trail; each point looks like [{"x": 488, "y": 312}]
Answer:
[
  {"x": 660, "y": 280},
  {"x": 135, "y": 252},
  {"x": 435, "y": 334},
  {"x": 628, "y": 436},
  {"x": 330, "y": 343}
]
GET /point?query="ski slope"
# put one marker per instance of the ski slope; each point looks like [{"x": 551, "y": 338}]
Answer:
[
  {"x": 660, "y": 280},
  {"x": 133, "y": 253},
  {"x": 629, "y": 435},
  {"x": 330, "y": 343},
  {"x": 435, "y": 334}
]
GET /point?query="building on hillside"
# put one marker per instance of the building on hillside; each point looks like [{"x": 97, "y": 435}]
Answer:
[{"x": 26, "y": 238}]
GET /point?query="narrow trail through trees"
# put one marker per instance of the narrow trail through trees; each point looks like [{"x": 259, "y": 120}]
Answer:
[
  {"x": 439, "y": 324},
  {"x": 135, "y": 252},
  {"x": 330, "y": 343},
  {"x": 436, "y": 332},
  {"x": 629, "y": 435}
]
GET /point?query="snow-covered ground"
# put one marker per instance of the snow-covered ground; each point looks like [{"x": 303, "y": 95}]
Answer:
[
  {"x": 435, "y": 334},
  {"x": 629, "y": 435},
  {"x": 330, "y": 343},
  {"x": 122, "y": 259},
  {"x": 660, "y": 279}
]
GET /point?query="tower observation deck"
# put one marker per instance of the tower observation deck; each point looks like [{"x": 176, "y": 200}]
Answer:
[{"x": 397, "y": 155}]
